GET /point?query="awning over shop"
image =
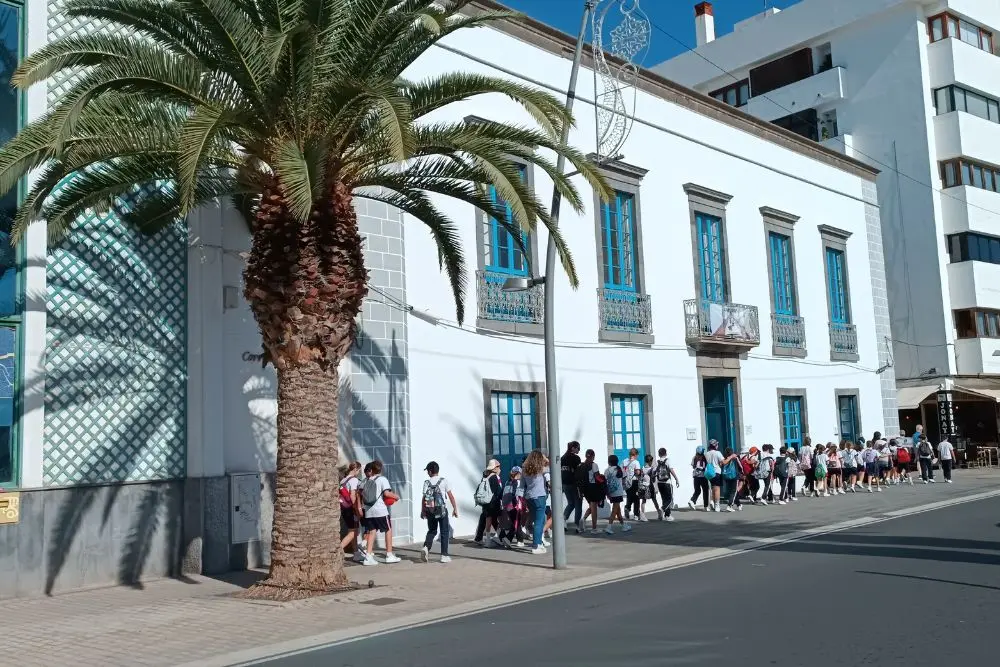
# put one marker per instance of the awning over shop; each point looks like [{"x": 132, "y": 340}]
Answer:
[
  {"x": 911, "y": 397},
  {"x": 989, "y": 394}
]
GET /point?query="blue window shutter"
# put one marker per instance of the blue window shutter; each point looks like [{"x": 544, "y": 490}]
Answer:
[
  {"x": 618, "y": 240},
  {"x": 781, "y": 274},
  {"x": 711, "y": 258},
  {"x": 505, "y": 256},
  {"x": 839, "y": 309}
]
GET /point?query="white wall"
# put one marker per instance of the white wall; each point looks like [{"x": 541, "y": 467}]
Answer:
[{"x": 447, "y": 365}]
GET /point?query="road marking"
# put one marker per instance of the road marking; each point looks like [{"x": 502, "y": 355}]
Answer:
[{"x": 263, "y": 654}]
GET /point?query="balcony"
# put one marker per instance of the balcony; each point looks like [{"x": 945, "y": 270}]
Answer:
[
  {"x": 625, "y": 317},
  {"x": 975, "y": 356},
  {"x": 720, "y": 326},
  {"x": 843, "y": 342},
  {"x": 961, "y": 134},
  {"x": 953, "y": 61},
  {"x": 817, "y": 90},
  {"x": 513, "y": 312},
  {"x": 789, "y": 335},
  {"x": 965, "y": 208},
  {"x": 974, "y": 285}
]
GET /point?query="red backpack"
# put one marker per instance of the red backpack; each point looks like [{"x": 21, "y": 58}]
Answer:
[
  {"x": 903, "y": 455},
  {"x": 746, "y": 465}
]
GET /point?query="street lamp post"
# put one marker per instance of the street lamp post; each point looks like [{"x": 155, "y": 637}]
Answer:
[{"x": 517, "y": 284}]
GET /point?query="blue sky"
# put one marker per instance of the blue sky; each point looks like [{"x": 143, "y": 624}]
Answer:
[{"x": 674, "y": 16}]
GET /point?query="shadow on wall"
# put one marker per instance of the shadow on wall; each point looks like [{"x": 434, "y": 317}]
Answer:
[{"x": 114, "y": 393}]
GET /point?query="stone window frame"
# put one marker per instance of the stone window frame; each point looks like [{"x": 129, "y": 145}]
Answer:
[
  {"x": 833, "y": 237},
  {"x": 783, "y": 223},
  {"x": 856, "y": 393},
  {"x": 514, "y": 386},
  {"x": 714, "y": 203},
  {"x": 483, "y": 249},
  {"x": 644, "y": 390},
  {"x": 627, "y": 178},
  {"x": 708, "y": 366},
  {"x": 793, "y": 392}
]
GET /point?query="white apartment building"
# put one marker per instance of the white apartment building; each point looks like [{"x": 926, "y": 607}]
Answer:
[
  {"x": 911, "y": 87},
  {"x": 734, "y": 282}
]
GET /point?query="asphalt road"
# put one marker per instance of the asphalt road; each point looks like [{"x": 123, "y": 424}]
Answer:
[{"x": 919, "y": 590}]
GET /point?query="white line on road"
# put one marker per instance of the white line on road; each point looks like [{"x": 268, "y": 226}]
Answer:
[{"x": 262, "y": 654}]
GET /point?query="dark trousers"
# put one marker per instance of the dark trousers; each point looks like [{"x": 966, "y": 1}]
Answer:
[
  {"x": 433, "y": 524},
  {"x": 810, "y": 482},
  {"x": 632, "y": 500},
  {"x": 926, "y": 469},
  {"x": 667, "y": 493},
  {"x": 574, "y": 503},
  {"x": 510, "y": 524},
  {"x": 946, "y": 465},
  {"x": 754, "y": 485},
  {"x": 729, "y": 491},
  {"x": 488, "y": 512},
  {"x": 701, "y": 489},
  {"x": 788, "y": 490}
]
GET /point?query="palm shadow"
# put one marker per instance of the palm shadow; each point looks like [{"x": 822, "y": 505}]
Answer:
[{"x": 114, "y": 392}]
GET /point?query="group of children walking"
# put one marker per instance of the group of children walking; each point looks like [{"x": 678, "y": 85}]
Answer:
[{"x": 516, "y": 509}]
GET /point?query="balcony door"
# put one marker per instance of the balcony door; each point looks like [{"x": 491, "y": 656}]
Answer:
[
  {"x": 720, "y": 411},
  {"x": 711, "y": 258}
]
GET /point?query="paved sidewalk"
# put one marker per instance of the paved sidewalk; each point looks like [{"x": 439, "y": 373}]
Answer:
[{"x": 170, "y": 622}]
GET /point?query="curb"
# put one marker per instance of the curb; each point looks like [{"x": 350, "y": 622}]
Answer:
[{"x": 289, "y": 648}]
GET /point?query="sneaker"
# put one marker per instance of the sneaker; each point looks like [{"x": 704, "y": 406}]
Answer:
[
  {"x": 793, "y": 499},
  {"x": 923, "y": 481},
  {"x": 948, "y": 481},
  {"x": 782, "y": 502},
  {"x": 538, "y": 551},
  {"x": 826, "y": 494},
  {"x": 391, "y": 558},
  {"x": 626, "y": 528},
  {"x": 764, "y": 503},
  {"x": 520, "y": 543},
  {"x": 369, "y": 561},
  {"x": 546, "y": 543},
  {"x": 579, "y": 528},
  {"x": 932, "y": 481},
  {"x": 739, "y": 508},
  {"x": 445, "y": 559},
  {"x": 547, "y": 535},
  {"x": 668, "y": 518},
  {"x": 730, "y": 509},
  {"x": 609, "y": 531},
  {"x": 506, "y": 542},
  {"x": 692, "y": 506},
  {"x": 425, "y": 552},
  {"x": 642, "y": 518}
]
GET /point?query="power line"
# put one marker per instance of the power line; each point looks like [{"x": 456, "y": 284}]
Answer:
[{"x": 838, "y": 137}]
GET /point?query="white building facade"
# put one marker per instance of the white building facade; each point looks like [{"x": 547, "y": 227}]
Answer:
[
  {"x": 732, "y": 289},
  {"x": 911, "y": 87}
]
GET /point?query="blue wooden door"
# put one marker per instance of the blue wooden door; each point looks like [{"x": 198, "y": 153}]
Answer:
[
  {"x": 720, "y": 412},
  {"x": 514, "y": 427},
  {"x": 848, "y": 408},
  {"x": 711, "y": 258},
  {"x": 628, "y": 425},
  {"x": 791, "y": 421}
]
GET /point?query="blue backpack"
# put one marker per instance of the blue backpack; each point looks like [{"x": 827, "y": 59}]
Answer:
[
  {"x": 710, "y": 471},
  {"x": 730, "y": 471}
]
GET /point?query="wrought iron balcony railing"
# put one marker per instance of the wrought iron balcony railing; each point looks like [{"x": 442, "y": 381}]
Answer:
[
  {"x": 843, "y": 339},
  {"x": 494, "y": 303},
  {"x": 624, "y": 312},
  {"x": 708, "y": 323},
  {"x": 789, "y": 331}
]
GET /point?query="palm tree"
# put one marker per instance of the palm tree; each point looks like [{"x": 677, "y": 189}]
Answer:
[{"x": 290, "y": 109}]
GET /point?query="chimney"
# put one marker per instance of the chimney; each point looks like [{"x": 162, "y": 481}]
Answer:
[{"x": 704, "y": 23}]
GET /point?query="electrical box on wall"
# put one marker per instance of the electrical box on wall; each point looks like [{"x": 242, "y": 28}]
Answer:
[{"x": 245, "y": 508}]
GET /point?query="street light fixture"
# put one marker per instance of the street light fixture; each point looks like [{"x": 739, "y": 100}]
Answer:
[{"x": 522, "y": 283}]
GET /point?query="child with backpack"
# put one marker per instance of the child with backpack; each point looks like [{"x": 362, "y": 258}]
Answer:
[
  {"x": 764, "y": 475},
  {"x": 614, "y": 477},
  {"x": 594, "y": 487},
  {"x": 432, "y": 508},
  {"x": 732, "y": 470},
  {"x": 698, "y": 479},
  {"x": 512, "y": 504},
  {"x": 349, "y": 515},
  {"x": 903, "y": 459},
  {"x": 376, "y": 497},
  {"x": 925, "y": 453},
  {"x": 631, "y": 470},
  {"x": 487, "y": 497},
  {"x": 647, "y": 490},
  {"x": 784, "y": 473},
  {"x": 662, "y": 473}
]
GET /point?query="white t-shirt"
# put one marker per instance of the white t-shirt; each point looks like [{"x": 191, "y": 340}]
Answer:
[
  {"x": 379, "y": 509},
  {"x": 946, "y": 451},
  {"x": 594, "y": 469},
  {"x": 715, "y": 457},
  {"x": 806, "y": 457},
  {"x": 821, "y": 459},
  {"x": 352, "y": 484},
  {"x": 444, "y": 488},
  {"x": 631, "y": 470}
]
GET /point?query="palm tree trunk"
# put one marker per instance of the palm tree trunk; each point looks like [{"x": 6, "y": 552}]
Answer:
[{"x": 305, "y": 284}]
